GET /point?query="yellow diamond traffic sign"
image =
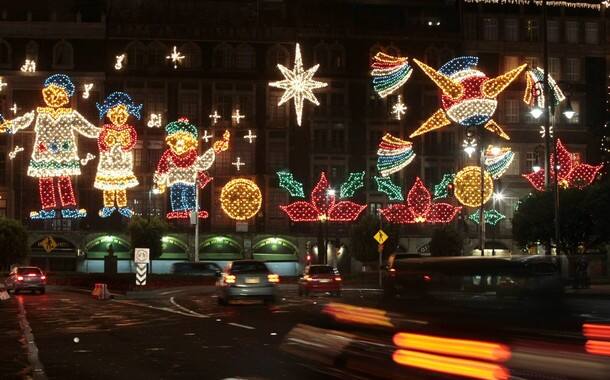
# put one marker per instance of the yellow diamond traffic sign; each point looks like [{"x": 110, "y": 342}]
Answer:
[
  {"x": 49, "y": 244},
  {"x": 380, "y": 236}
]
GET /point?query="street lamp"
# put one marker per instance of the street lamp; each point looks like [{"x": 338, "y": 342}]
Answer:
[
  {"x": 569, "y": 112},
  {"x": 536, "y": 112}
]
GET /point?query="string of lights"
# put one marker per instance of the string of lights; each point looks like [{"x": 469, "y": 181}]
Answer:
[
  {"x": 393, "y": 154},
  {"x": 389, "y": 73}
]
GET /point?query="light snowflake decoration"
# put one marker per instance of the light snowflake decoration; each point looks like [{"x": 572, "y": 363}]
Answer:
[
  {"x": 87, "y": 88},
  {"x": 238, "y": 164},
  {"x": 176, "y": 57},
  {"x": 399, "y": 108},
  {"x": 118, "y": 63},
  {"x": 154, "y": 120},
  {"x": 2, "y": 84},
  {"x": 298, "y": 84},
  {"x": 543, "y": 132},
  {"x": 29, "y": 66},
  {"x": 250, "y": 136}
]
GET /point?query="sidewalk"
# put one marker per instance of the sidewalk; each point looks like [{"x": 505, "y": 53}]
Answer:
[
  {"x": 13, "y": 356},
  {"x": 595, "y": 290}
]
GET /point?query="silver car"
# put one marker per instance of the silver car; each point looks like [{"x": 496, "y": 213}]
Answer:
[
  {"x": 26, "y": 278},
  {"x": 246, "y": 279}
]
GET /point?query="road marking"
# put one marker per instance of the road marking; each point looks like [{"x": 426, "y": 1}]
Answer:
[
  {"x": 37, "y": 367},
  {"x": 186, "y": 310},
  {"x": 242, "y": 326},
  {"x": 167, "y": 309}
]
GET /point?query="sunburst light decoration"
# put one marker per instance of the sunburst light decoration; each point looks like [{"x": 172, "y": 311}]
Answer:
[
  {"x": 298, "y": 84},
  {"x": 389, "y": 73},
  {"x": 393, "y": 154}
]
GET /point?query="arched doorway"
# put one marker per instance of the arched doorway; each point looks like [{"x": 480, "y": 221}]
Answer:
[
  {"x": 54, "y": 253},
  {"x": 275, "y": 249},
  {"x": 97, "y": 248},
  {"x": 220, "y": 248}
]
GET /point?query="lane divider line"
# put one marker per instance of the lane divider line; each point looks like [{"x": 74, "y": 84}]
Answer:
[
  {"x": 33, "y": 359},
  {"x": 242, "y": 326},
  {"x": 167, "y": 309},
  {"x": 187, "y": 310}
]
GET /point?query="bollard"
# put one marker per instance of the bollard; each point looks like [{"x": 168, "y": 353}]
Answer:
[{"x": 100, "y": 292}]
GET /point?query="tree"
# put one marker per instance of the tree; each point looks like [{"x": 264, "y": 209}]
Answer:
[
  {"x": 14, "y": 242},
  {"x": 147, "y": 233},
  {"x": 446, "y": 241},
  {"x": 362, "y": 245}
]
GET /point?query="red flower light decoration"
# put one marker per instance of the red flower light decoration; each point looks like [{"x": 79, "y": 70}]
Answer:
[
  {"x": 323, "y": 207},
  {"x": 571, "y": 172},
  {"x": 419, "y": 208}
]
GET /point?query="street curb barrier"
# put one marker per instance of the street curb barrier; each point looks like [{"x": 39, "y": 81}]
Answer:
[{"x": 100, "y": 292}]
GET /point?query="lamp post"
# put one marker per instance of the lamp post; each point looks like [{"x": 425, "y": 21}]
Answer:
[
  {"x": 496, "y": 197},
  {"x": 329, "y": 193}
]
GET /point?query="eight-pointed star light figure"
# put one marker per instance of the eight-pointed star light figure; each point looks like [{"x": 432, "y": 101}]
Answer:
[{"x": 298, "y": 84}]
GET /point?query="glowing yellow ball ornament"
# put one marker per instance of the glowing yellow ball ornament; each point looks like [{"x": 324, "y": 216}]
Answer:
[
  {"x": 468, "y": 186},
  {"x": 241, "y": 199}
]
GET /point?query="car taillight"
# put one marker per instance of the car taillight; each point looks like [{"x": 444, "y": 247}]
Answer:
[
  {"x": 427, "y": 278},
  {"x": 19, "y": 278},
  {"x": 32, "y": 275},
  {"x": 230, "y": 279},
  {"x": 43, "y": 277},
  {"x": 337, "y": 278},
  {"x": 273, "y": 278}
]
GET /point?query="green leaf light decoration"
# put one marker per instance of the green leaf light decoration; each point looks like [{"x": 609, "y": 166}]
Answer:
[
  {"x": 354, "y": 182},
  {"x": 385, "y": 185},
  {"x": 442, "y": 189},
  {"x": 288, "y": 183},
  {"x": 491, "y": 217}
]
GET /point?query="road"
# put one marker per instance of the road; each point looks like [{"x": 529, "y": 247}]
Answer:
[{"x": 183, "y": 333}]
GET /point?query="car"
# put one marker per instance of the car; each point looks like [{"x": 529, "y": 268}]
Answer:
[
  {"x": 196, "y": 269},
  {"x": 26, "y": 278},
  {"x": 247, "y": 279},
  {"x": 321, "y": 279}
]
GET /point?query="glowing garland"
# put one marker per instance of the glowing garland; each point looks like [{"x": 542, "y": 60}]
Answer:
[
  {"x": 55, "y": 154},
  {"x": 354, "y": 182},
  {"x": 491, "y": 217},
  {"x": 393, "y": 154},
  {"x": 116, "y": 142},
  {"x": 552, "y": 3},
  {"x": 467, "y": 186},
  {"x": 571, "y": 174},
  {"x": 497, "y": 160},
  {"x": 323, "y": 207},
  {"x": 389, "y": 73},
  {"x": 288, "y": 183},
  {"x": 534, "y": 89},
  {"x": 386, "y": 186},
  {"x": 298, "y": 84},
  {"x": 441, "y": 190},
  {"x": 241, "y": 199},
  {"x": 468, "y": 95},
  {"x": 419, "y": 208}
]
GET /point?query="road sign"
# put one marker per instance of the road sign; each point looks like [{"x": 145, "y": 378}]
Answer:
[
  {"x": 141, "y": 271},
  {"x": 142, "y": 256},
  {"x": 380, "y": 236},
  {"x": 48, "y": 244}
]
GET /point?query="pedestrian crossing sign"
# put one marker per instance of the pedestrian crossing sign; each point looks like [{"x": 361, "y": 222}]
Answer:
[{"x": 380, "y": 236}]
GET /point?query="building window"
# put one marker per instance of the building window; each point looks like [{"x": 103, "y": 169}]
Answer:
[
  {"x": 136, "y": 55},
  {"x": 277, "y": 54},
  {"x": 192, "y": 56},
  {"x": 431, "y": 57},
  {"x": 245, "y": 58},
  {"x": 31, "y": 51},
  {"x": 531, "y": 30},
  {"x": 277, "y": 114},
  {"x": 189, "y": 106},
  {"x": 337, "y": 140},
  {"x": 156, "y": 54},
  {"x": 374, "y": 139},
  {"x": 531, "y": 160},
  {"x": 321, "y": 56},
  {"x": 3, "y": 168},
  {"x": 63, "y": 55},
  {"x": 154, "y": 155},
  {"x": 511, "y": 29},
  {"x": 337, "y": 57},
  {"x": 552, "y": 29},
  {"x": 336, "y": 173},
  {"x": 155, "y": 102},
  {"x": 515, "y": 166},
  {"x": 572, "y": 69},
  {"x": 5, "y": 54},
  {"x": 591, "y": 33},
  {"x": 276, "y": 155},
  {"x": 319, "y": 139},
  {"x": 511, "y": 110},
  {"x": 576, "y": 107},
  {"x": 137, "y": 157},
  {"x": 572, "y": 32},
  {"x": 375, "y": 208},
  {"x": 555, "y": 67},
  {"x": 447, "y": 143},
  {"x": 532, "y": 62},
  {"x": 3, "y": 205},
  {"x": 490, "y": 29},
  {"x": 470, "y": 27},
  {"x": 223, "y": 56},
  {"x": 510, "y": 62}
]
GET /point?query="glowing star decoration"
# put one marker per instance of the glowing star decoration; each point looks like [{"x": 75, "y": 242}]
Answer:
[
  {"x": 497, "y": 160},
  {"x": 2, "y": 84},
  {"x": 215, "y": 117},
  {"x": 154, "y": 120},
  {"x": 399, "y": 108},
  {"x": 298, "y": 84},
  {"x": 543, "y": 131},
  {"x": 323, "y": 207},
  {"x": 175, "y": 56},
  {"x": 14, "y": 152},
  {"x": 491, "y": 217},
  {"x": 389, "y": 73},
  {"x": 241, "y": 199},
  {"x": 468, "y": 95},
  {"x": 534, "y": 89},
  {"x": 250, "y": 136},
  {"x": 354, "y": 182},
  {"x": 288, "y": 183},
  {"x": 29, "y": 66},
  {"x": 86, "y": 89},
  {"x": 419, "y": 208},
  {"x": 467, "y": 186},
  {"x": 393, "y": 154},
  {"x": 237, "y": 116},
  {"x": 206, "y": 136},
  {"x": 88, "y": 157},
  {"x": 386, "y": 186},
  {"x": 14, "y": 108},
  {"x": 238, "y": 164},
  {"x": 571, "y": 174},
  {"x": 54, "y": 157},
  {"x": 441, "y": 190},
  {"x": 118, "y": 63}
]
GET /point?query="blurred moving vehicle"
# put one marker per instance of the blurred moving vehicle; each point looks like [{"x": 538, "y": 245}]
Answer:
[
  {"x": 246, "y": 279},
  {"x": 518, "y": 276},
  {"x": 321, "y": 279},
  {"x": 196, "y": 269},
  {"x": 26, "y": 278}
]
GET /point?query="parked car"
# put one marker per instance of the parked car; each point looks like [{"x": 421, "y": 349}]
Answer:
[
  {"x": 244, "y": 279},
  {"x": 196, "y": 269},
  {"x": 26, "y": 278},
  {"x": 320, "y": 279}
]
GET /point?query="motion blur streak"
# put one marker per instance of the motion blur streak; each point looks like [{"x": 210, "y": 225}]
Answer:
[
  {"x": 591, "y": 330},
  {"x": 598, "y": 347},
  {"x": 362, "y": 315},
  {"x": 454, "y": 347},
  {"x": 452, "y": 366}
]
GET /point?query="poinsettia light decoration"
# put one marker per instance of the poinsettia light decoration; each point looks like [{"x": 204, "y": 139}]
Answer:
[
  {"x": 571, "y": 174},
  {"x": 419, "y": 208},
  {"x": 323, "y": 206}
]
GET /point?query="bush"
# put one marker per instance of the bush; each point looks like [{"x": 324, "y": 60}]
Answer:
[
  {"x": 446, "y": 241},
  {"x": 14, "y": 242},
  {"x": 147, "y": 233}
]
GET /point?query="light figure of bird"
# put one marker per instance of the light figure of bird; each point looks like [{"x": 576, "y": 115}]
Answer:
[{"x": 468, "y": 95}]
